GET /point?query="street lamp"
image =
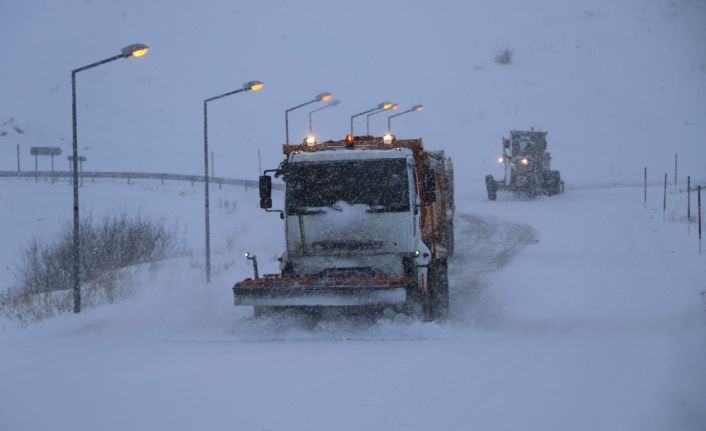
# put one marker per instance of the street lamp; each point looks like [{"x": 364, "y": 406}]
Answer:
[
  {"x": 415, "y": 108},
  {"x": 248, "y": 86},
  {"x": 134, "y": 50},
  {"x": 319, "y": 97},
  {"x": 381, "y": 105},
  {"x": 331, "y": 104},
  {"x": 367, "y": 117}
]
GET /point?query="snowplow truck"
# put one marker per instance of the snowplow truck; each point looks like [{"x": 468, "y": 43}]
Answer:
[
  {"x": 527, "y": 166},
  {"x": 368, "y": 222}
]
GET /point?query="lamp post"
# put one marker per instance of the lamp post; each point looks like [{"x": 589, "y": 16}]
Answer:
[
  {"x": 381, "y": 105},
  {"x": 367, "y": 117},
  {"x": 319, "y": 97},
  {"x": 415, "y": 108},
  {"x": 331, "y": 104},
  {"x": 248, "y": 86},
  {"x": 134, "y": 50}
]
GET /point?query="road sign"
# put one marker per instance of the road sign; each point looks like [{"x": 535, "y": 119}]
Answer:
[{"x": 45, "y": 151}]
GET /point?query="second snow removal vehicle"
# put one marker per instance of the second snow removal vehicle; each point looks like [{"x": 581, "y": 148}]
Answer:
[
  {"x": 368, "y": 222},
  {"x": 527, "y": 166}
]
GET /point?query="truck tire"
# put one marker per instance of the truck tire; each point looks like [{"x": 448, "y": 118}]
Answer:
[
  {"x": 532, "y": 188},
  {"x": 492, "y": 187},
  {"x": 439, "y": 291},
  {"x": 553, "y": 183}
]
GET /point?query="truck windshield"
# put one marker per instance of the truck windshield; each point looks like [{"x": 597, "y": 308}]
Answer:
[
  {"x": 524, "y": 143},
  {"x": 381, "y": 184}
]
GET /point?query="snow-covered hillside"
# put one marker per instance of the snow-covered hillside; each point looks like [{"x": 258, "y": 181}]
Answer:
[{"x": 618, "y": 85}]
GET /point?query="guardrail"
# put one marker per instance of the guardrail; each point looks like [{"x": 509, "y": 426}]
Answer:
[{"x": 135, "y": 176}]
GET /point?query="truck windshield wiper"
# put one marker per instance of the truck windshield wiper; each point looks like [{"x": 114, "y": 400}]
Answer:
[
  {"x": 379, "y": 208},
  {"x": 308, "y": 211}
]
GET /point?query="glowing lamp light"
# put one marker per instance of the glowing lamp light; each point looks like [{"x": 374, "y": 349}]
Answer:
[
  {"x": 388, "y": 138},
  {"x": 349, "y": 138},
  {"x": 135, "y": 50},
  {"x": 501, "y": 159},
  {"x": 386, "y": 105},
  {"x": 324, "y": 96},
  {"x": 310, "y": 140},
  {"x": 253, "y": 85},
  {"x": 524, "y": 161},
  {"x": 418, "y": 108}
]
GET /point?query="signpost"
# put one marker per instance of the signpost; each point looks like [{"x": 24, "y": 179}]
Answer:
[{"x": 44, "y": 151}]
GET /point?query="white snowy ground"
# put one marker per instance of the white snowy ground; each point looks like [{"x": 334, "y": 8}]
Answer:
[{"x": 582, "y": 311}]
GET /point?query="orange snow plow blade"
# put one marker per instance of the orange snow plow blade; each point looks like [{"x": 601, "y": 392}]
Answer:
[{"x": 322, "y": 291}]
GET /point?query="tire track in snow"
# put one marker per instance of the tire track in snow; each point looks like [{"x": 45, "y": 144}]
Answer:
[{"x": 484, "y": 244}]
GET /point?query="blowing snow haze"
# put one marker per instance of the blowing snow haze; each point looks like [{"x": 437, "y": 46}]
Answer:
[
  {"x": 584, "y": 310},
  {"x": 618, "y": 85}
]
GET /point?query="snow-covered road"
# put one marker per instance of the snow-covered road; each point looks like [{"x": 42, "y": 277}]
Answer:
[{"x": 582, "y": 312}]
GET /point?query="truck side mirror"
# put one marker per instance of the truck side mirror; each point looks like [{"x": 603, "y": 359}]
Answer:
[
  {"x": 265, "y": 183},
  {"x": 429, "y": 186}
]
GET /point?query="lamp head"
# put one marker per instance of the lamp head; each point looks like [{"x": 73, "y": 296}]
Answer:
[
  {"x": 134, "y": 50},
  {"x": 385, "y": 105},
  {"x": 253, "y": 85},
  {"x": 418, "y": 108},
  {"x": 324, "y": 97}
]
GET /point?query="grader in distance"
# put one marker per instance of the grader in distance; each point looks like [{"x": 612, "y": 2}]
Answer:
[{"x": 527, "y": 167}]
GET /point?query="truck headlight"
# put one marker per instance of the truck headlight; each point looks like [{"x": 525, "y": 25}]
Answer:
[{"x": 524, "y": 161}]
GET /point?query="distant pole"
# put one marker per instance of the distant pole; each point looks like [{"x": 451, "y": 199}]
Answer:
[
  {"x": 52, "y": 168},
  {"x": 36, "y": 169},
  {"x": 18, "y": 159},
  {"x": 676, "y": 162},
  {"x": 206, "y": 197},
  {"x": 698, "y": 195},
  {"x": 688, "y": 205},
  {"x": 664, "y": 199},
  {"x": 213, "y": 169},
  {"x": 259, "y": 163},
  {"x": 644, "y": 188}
]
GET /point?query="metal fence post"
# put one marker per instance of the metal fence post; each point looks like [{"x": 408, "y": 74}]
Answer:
[
  {"x": 688, "y": 198},
  {"x": 698, "y": 196},
  {"x": 645, "y": 189},
  {"x": 664, "y": 199},
  {"x": 676, "y": 159}
]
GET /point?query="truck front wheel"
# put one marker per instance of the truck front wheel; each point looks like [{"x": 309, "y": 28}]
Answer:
[
  {"x": 439, "y": 289},
  {"x": 492, "y": 187}
]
